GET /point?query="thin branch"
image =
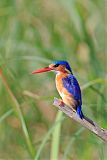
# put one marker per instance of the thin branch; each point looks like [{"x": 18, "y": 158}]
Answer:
[{"x": 86, "y": 122}]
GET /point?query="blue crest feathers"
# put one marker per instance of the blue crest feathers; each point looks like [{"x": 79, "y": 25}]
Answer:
[{"x": 63, "y": 63}]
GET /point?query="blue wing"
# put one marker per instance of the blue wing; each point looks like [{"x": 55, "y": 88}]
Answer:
[{"x": 72, "y": 86}]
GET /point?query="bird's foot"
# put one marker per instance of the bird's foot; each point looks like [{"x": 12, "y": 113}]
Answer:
[
  {"x": 72, "y": 109},
  {"x": 61, "y": 103}
]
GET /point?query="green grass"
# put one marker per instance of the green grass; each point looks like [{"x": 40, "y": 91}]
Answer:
[
  {"x": 32, "y": 34},
  {"x": 56, "y": 138}
]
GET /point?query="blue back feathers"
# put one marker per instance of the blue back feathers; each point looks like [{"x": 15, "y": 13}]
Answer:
[
  {"x": 72, "y": 86},
  {"x": 63, "y": 63}
]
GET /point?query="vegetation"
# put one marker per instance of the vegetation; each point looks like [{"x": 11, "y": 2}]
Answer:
[{"x": 32, "y": 34}]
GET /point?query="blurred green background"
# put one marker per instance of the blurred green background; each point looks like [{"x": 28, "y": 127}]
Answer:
[{"x": 32, "y": 34}]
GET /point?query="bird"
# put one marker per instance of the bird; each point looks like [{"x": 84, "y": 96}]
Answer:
[{"x": 66, "y": 85}]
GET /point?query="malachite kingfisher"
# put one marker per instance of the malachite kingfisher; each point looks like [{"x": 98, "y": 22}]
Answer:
[{"x": 66, "y": 84}]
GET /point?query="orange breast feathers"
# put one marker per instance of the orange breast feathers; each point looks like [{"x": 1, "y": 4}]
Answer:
[{"x": 67, "y": 97}]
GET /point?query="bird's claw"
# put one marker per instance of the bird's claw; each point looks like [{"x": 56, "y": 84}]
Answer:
[{"x": 61, "y": 103}]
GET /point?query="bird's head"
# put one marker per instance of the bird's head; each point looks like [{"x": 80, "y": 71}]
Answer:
[{"x": 58, "y": 66}]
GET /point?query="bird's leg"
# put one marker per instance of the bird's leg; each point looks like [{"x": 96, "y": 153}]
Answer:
[{"x": 61, "y": 103}]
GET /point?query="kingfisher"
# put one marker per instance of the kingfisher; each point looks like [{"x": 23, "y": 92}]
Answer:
[{"x": 66, "y": 84}]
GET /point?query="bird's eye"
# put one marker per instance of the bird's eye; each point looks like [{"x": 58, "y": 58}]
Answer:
[{"x": 56, "y": 65}]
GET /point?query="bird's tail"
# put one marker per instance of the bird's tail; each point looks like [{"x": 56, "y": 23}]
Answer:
[
  {"x": 82, "y": 116},
  {"x": 79, "y": 112}
]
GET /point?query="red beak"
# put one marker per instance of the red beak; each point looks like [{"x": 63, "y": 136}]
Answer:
[{"x": 42, "y": 70}]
